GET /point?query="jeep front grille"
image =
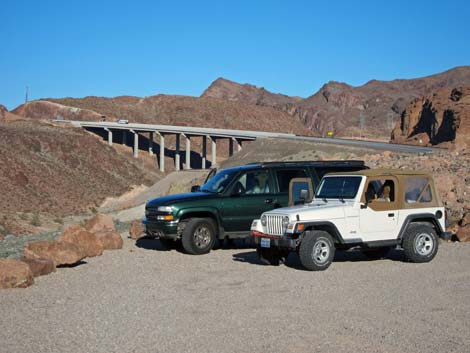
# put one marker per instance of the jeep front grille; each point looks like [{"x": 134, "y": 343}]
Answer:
[{"x": 274, "y": 225}]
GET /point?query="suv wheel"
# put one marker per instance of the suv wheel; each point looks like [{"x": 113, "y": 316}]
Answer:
[
  {"x": 317, "y": 250},
  {"x": 198, "y": 236},
  {"x": 376, "y": 253},
  {"x": 420, "y": 243}
]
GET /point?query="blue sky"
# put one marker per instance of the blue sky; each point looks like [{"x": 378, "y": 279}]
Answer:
[{"x": 141, "y": 48}]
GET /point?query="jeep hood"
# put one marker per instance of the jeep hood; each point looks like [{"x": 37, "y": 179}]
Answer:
[{"x": 317, "y": 210}]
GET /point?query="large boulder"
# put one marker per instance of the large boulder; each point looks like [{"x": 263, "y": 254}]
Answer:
[
  {"x": 136, "y": 230},
  {"x": 110, "y": 240},
  {"x": 463, "y": 234},
  {"x": 15, "y": 274},
  {"x": 88, "y": 242},
  {"x": 61, "y": 253},
  {"x": 101, "y": 223},
  {"x": 40, "y": 267}
]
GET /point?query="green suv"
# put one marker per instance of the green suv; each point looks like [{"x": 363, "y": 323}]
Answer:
[{"x": 227, "y": 203}]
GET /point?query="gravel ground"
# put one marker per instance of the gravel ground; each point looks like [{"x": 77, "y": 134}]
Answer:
[{"x": 142, "y": 299}]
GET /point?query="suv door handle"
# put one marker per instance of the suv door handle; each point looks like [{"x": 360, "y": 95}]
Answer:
[
  {"x": 268, "y": 201},
  {"x": 391, "y": 214}
]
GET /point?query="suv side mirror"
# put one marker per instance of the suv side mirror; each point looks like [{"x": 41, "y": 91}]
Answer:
[{"x": 195, "y": 188}]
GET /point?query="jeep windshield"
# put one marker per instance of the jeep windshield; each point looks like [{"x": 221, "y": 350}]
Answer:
[
  {"x": 219, "y": 182},
  {"x": 338, "y": 187}
]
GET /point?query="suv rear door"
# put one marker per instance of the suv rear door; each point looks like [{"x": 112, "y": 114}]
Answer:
[
  {"x": 282, "y": 178},
  {"x": 246, "y": 199}
]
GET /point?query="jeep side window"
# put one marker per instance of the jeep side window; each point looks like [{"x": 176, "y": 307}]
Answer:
[
  {"x": 381, "y": 190},
  {"x": 417, "y": 190},
  {"x": 284, "y": 177},
  {"x": 253, "y": 183}
]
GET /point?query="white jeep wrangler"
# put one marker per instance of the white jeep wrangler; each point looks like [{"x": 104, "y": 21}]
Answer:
[{"x": 373, "y": 210}]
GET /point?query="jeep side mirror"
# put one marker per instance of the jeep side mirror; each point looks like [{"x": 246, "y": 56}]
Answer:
[
  {"x": 195, "y": 188},
  {"x": 303, "y": 195}
]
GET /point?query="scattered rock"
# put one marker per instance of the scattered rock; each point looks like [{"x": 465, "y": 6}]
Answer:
[
  {"x": 463, "y": 234},
  {"x": 110, "y": 240},
  {"x": 136, "y": 230},
  {"x": 15, "y": 274},
  {"x": 40, "y": 267},
  {"x": 61, "y": 253},
  {"x": 88, "y": 242},
  {"x": 466, "y": 219},
  {"x": 101, "y": 223}
]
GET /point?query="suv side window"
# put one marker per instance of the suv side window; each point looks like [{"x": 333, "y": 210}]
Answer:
[
  {"x": 284, "y": 177},
  {"x": 254, "y": 182}
]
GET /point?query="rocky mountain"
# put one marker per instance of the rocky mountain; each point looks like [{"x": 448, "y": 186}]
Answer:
[
  {"x": 370, "y": 110},
  {"x": 439, "y": 118},
  {"x": 166, "y": 109},
  {"x": 3, "y": 110}
]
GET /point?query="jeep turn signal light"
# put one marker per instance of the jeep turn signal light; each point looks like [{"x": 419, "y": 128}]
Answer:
[{"x": 300, "y": 227}]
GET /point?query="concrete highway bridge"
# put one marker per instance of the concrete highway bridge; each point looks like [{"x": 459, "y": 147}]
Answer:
[{"x": 120, "y": 132}]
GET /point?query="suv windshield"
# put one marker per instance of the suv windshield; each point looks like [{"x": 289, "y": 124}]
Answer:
[
  {"x": 219, "y": 182},
  {"x": 338, "y": 187}
]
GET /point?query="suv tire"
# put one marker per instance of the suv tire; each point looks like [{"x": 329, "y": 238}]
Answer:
[
  {"x": 317, "y": 250},
  {"x": 420, "y": 242},
  {"x": 198, "y": 236}
]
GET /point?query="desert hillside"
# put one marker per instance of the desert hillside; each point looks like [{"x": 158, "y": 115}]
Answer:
[
  {"x": 370, "y": 110},
  {"x": 53, "y": 171}
]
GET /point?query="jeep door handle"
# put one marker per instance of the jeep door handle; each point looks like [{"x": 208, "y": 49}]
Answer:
[{"x": 391, "y": 214}]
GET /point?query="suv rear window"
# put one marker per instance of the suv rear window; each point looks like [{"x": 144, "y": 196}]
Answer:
[{"x": 284, "y": 177}]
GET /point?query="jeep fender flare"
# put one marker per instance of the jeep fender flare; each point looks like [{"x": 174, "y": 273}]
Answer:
[
  {"x": 327, "y": 227},
  {"x": 420, "y": 217}
]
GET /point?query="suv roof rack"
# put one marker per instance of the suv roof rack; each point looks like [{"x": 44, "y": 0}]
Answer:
[{"x": 314, "y": 163}]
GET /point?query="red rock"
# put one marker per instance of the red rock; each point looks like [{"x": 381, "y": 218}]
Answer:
[
  {"x": 463, "y": 234},
  {"x": 136, "y": 230},
  {"x": 101, "y": 223},
  {"x": 110, "y": 240},
  {"x": 466, "y": 219},
  {"x": 61, "y": 253},
  {"x": 15, "y": 274},
  {"x": 40, "y": 267},
  {"x": 88, "y": 242}
]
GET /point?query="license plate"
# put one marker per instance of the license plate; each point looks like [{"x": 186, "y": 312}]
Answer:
[{"x": 265, "y": 243}]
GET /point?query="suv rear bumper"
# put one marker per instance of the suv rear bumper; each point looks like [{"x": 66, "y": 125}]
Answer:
[{"x": 160, "y": 229}]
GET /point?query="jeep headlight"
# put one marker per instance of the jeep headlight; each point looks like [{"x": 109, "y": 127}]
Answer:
[
  {"x": 165, "y": 209},
  {"x": 285, "y": 221},
  {"x": 264, "y": 220}
]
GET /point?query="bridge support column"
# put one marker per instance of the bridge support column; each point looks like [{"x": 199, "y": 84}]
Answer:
[
  {"x": 151, "y": 143},
  {"x": 214, "y": 150},
  {"x": 136, "y": 143},
  {"x": 204, "y": 152},
  {"x": 177, "y": 152},
  {"x": 124, "y": 137},
  {"x": 110, "y": 136},
  {"x": 188, "y": 152},
  {"x": 239, "y": 145},
  {"x": 162, "y": 152}
]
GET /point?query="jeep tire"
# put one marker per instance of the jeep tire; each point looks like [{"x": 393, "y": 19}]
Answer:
[
  {"x": 199, "y": 236},
  {"x": 316, "y": 250},
  {"x": 420, "y": 242}
]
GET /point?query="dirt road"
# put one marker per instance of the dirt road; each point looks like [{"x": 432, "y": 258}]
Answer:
[{"x": 142, "y": 299}]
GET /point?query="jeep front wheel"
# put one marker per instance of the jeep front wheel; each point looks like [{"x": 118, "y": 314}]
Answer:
[
  {"x": 198, "y": 236},
  {"x": 420, "y": 243},
  {"x": 317, "y": 250}
]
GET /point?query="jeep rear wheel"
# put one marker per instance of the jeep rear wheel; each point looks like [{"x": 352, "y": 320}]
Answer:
[
  {"x": 198, "y": 236},
  {"x": 420, "y": 243},
  {"x": 317, "y": 250}
]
